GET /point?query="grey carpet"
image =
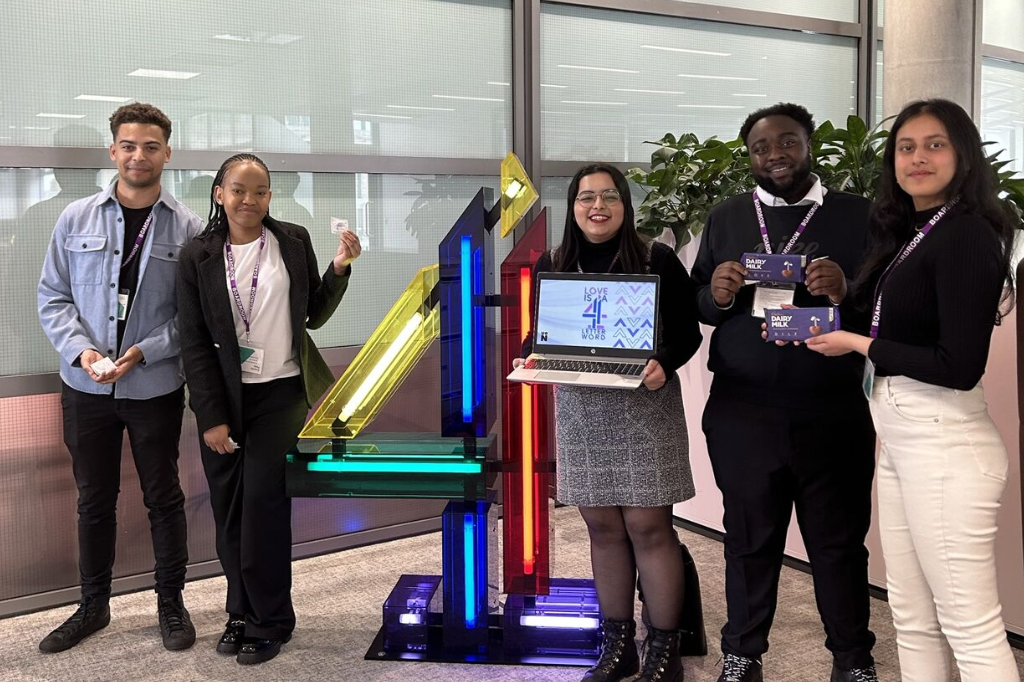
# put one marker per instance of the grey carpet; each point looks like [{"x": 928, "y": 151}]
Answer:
[{"x": 338, "y": 599}]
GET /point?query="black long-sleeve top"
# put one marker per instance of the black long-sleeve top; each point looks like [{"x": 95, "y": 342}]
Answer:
[
  {"x": 677, "y": 308},
  {"x": 940, "y": 304},
  {"x": 746, "y": 367}
]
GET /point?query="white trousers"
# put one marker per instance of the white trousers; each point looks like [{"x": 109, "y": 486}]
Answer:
[{"x": 942, "y": 472}]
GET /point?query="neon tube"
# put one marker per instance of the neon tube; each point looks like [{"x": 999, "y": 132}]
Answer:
[
  {"x": 469, "y": 557},
  {"x": 574, "y": 622},
  {"x": 398, "y": 467},
  {"x": 466, "y": 283},
  {"x": 382, "y": 366},
  {"x": 526, "y": 396}
]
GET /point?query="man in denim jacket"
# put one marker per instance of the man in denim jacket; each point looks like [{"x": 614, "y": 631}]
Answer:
[{"x": 107, "y": 304}]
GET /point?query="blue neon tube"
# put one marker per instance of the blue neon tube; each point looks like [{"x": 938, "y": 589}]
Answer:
[
  {"x": 469, "y": 556},
  {"x": 466, "y": 283}
]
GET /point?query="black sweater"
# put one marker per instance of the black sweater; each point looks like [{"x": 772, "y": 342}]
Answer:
[
  {"x": 745, "y": 366},
  {"x": 940, "y": 304},
  {"x": 680, "y": 333}
]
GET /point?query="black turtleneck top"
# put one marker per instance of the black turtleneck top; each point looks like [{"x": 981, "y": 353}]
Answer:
[
  {"x": 940, "y": 304},
  {"x": 677, "y": 304}
]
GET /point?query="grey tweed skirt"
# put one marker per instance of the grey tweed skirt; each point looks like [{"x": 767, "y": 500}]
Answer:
[{"x": 622, "y": 448}]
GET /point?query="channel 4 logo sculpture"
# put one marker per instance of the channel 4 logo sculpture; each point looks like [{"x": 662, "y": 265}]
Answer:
[{"x": 455, "y": 617}]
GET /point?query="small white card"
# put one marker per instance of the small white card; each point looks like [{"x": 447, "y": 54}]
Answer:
[
  {"x": 338, "y": 225},
  {"x": 771, "y": 297},
  {"x": 103, "y": 366},
  {"x": 122, "y": 307},
  {"x": 252, "y": 359}
]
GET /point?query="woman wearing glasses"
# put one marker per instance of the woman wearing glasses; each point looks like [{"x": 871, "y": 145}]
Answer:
[{"x": 623, "y": 455}]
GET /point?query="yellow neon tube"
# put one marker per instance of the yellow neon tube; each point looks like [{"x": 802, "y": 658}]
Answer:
[
  {"x": 382, "y": 365},
  {"x": 526, "y": 395}
]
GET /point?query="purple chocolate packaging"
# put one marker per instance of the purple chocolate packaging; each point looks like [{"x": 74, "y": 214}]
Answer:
[
  {"x": 765, "y": 267},
  {"x": 800, "y": 324}
]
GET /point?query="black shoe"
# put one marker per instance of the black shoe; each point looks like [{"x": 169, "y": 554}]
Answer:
[
  {"x": 231, "y": 641},
  {"x": 855, "y": 675},
  {"x": 255, "y": 651},
  {"x": 619, "y": 659},
  {"x": 740, "y": 669},
  {"x": 661, "y": 657},
  {"x": 92, "y": 615},
  {"x": 176, "y": 627}
]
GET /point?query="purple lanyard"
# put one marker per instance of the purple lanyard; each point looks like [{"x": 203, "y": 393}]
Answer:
[
  {"x": 246, "y": 317},
  {"x": 764, "y": 228},
  {"x": 138, "y": 240},
  {"x": 902, "y": 256}
]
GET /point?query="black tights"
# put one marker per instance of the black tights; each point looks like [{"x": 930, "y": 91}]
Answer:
[{"x": 624, "y": 540}]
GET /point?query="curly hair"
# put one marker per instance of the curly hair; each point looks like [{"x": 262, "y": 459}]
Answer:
[{"x": 139, "y": 112}]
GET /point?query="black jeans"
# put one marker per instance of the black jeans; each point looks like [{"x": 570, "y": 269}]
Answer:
[
  {"x": 252, "y": 512},
  {"x": 94, "y": 428},
  {"x": 766, "y": 461}
]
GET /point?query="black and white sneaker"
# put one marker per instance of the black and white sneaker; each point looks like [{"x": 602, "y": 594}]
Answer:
[{"x": 739, "y": 669}]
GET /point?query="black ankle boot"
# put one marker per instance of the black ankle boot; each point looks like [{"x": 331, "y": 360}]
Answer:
[
  {"x": 661, "y": 658},
  {"x": 619, "y": 659}
]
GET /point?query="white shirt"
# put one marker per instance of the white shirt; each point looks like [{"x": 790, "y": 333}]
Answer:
[
  {"x": 270, "y": 327},
  {"x": 815, "y": 195}
]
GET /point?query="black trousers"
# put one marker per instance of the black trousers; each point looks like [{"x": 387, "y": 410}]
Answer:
[
  {"x": 766, "y": 461},
  {"x": 94, "y": 428},
  {"x": 252, "y": 513}
]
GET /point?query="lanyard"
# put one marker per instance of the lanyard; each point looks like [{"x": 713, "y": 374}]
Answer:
[
  {"x": 764, "y": 228},
  {"x": 246, "y": 317},
  {"x": 138, "y": 240},
  {"x": 902, "y": 256}
]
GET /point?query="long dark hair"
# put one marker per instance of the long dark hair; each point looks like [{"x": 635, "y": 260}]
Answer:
[
  {"x": 632, "y": 251},
  {"x": 217, "y": 220},
  {"x": 893, "y": 215}
]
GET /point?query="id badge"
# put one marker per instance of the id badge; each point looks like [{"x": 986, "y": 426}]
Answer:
[
  {"x": 122, "y": 305},
  {"x": 252, "y": 359},
  {"x": 868, "y": 382},
  {"x": 769, "y": 296}
]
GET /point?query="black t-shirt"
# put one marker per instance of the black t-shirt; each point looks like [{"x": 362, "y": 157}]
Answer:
[
  {"x": 746, "y": 367},
  {"x": 134, "y": 219}
]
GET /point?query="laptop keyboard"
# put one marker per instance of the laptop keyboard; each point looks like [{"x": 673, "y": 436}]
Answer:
[{"x": 625, "y": 369}]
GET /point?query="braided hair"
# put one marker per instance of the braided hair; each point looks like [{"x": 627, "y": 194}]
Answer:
[{"x": 217, "y": 220}]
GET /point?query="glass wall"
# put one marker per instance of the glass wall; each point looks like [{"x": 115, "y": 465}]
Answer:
[
  {"x": 612, "y": 80},
  {"x": 839, "y": 10},
  {"x": 1002, "y": 23},
  {"x": 1002, "y": 108},
  {"x": 373, "y": 77}
]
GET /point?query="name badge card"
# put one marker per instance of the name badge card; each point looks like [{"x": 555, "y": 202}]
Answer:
[
  {"x": 771, "y": 297},
  {"x": 252, "y": 359},
  {"x": 122, "y": 305}
]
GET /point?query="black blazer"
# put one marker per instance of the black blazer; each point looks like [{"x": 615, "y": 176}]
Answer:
[{"x": 209, "y": 347}]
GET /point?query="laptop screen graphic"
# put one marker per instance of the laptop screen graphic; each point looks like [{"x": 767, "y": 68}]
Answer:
[{"x": 596, "y": 313}]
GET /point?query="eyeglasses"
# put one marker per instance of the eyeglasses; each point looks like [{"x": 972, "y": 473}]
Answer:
[{"x": 609, "y": 196}]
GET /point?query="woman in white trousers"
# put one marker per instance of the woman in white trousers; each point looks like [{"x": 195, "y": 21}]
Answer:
[{"x": 934, "y": 278}]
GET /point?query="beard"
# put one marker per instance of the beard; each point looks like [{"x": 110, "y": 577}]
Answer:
[{"x": 795, "y": 180}]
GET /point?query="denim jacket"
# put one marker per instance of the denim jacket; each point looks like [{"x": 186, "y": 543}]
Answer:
[{"x": 78, "y": 290}]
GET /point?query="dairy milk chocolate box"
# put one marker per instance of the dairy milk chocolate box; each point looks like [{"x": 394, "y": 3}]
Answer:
[
  {"x": 765, "y": 267},
  {"x": 800, "y": 324}
]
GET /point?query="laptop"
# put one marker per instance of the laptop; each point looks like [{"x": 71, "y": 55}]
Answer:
[{"x": 592, "y": 330}]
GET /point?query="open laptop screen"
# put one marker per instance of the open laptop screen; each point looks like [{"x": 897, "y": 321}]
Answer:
[{"x": 597, "y": 315}]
